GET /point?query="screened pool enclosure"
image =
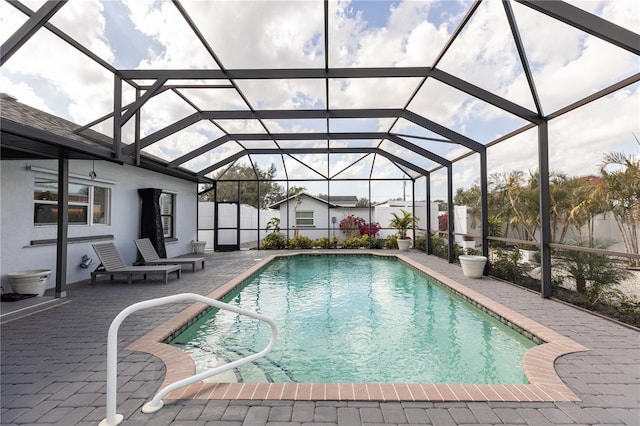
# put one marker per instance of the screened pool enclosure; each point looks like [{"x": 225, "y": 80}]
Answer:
[{"x": 389, "y": 100}]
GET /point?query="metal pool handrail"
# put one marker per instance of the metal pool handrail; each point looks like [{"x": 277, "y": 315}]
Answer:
[{"x": 156, "y": 403}]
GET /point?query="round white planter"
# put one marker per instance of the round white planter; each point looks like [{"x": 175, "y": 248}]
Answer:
[
  {"x": 472, "y": 266},
  {"x": 29, "y": 282},
  {"x": 403, "y": 245},
  {"x": 198, "y": 246}
]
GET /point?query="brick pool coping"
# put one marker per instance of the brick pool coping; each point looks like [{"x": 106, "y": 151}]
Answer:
[{"x": 538, "y": 362}]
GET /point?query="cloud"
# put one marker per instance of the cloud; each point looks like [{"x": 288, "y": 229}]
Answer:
[
  {"x": 567, "y": 65},
  {"x": 69, "y": 83}
]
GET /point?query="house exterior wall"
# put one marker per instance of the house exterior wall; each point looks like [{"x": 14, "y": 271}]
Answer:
[
  {"x": 321, "y": 216},
  {"x": 324, "y": 215},
  {"x": 17, "y": 229}
]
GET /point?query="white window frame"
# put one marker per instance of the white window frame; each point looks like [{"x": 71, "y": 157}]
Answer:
[
  {"x": 89, "y": 204},
  {"x": 171, "y": 232},
  {"x": 313, "y": 221}
]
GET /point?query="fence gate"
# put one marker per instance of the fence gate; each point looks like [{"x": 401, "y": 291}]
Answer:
[{"x": 226, "y": 226}]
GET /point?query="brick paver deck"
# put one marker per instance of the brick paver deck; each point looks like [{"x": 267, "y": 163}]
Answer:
[{"x": 53, "y": 364}]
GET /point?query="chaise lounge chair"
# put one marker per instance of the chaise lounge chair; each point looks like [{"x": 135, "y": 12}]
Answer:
[
  {"x": 112, "y": 264},
  {"x": 150, "y": 255}
]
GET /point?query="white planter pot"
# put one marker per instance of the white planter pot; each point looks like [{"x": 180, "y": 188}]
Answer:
[
  {"x": 198, "y": 246},
  {"x": 403, "y": 245},
  {"x": 29, "y": 282},
  {"x": 472, "y": 266}
]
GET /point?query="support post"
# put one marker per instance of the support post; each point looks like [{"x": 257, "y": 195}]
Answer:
[
  {"x": 63, "y": 227},
  {"x": 484, "y": 206},
  {"x": 545, "y": 206},
  {"x": 450, "y": 212},
  {"x": 429, "y": 249}
]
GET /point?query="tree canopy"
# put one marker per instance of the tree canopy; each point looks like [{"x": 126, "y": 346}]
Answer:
[{"x": 247, "y": 184}]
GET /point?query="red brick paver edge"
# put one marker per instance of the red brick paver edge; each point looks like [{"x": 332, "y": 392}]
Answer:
[{"x": 538, "y": 362}]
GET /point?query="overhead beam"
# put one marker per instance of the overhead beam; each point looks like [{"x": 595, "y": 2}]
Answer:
[
  {"x": 308, "y": 136},
  {"x": 419, "y": 150},
  {"x": 588, "y": 23},
  {"x": 301, "y": 114},
  {"x": 29, "y": 28},
  {"x": 486, "y": 96},
  {"x": 442, "y": 131},
  {"x": 169, "y": 130},
  {"x": 303, "y": 151},
  {"x": 135, "y": 106},
  {"x": 277, "y": 74}
]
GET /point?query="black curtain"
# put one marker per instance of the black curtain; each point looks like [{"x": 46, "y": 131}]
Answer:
[{"x": 150, "y": 219}]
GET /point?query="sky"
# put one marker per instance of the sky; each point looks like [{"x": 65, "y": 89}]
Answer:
[{"x": 567, "y": 65}]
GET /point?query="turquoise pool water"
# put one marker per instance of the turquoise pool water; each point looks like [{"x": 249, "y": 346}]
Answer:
[{"x": 356, "y": 319}]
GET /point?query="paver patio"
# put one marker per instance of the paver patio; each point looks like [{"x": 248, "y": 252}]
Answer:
[{"x": 53, "y": 364}]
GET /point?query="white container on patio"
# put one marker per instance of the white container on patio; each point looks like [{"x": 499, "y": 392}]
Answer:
[
  {"x": 29, "y": 282},
  {"x": 472, "y": 266},
  {"x": 403, "y": 245},
  {"x": 198, "y": 246}
]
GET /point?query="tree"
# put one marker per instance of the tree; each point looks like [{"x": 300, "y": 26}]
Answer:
[
  {"x": 470, "y": 198},
  {"x": 621, "y": 176},
  {"x": 363, "y": 202},
  {"x": 296, "y": 191},
  {"x": 517, "y": 199},
  {"x": 250, "y": 180}
]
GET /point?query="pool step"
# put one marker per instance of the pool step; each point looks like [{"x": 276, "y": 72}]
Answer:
[{"x": 260, "y": 370}]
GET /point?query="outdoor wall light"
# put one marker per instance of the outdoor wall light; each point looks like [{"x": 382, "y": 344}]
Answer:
[
  {"x": 92, "y": 173},
  {"x": 86, "y": 261}
]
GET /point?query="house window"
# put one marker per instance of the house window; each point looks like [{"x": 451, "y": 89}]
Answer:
[
  {"x": 304, "y": 218},
  {"x": 88, "y": 205},
  {"x": 167, "y": 209}
]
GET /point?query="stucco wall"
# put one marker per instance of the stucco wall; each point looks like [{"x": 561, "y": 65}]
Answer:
[
  {"x": 321, "y": 218},
  {"x": 16, "y": 210}
]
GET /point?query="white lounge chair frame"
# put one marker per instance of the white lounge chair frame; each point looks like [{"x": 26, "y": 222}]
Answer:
[
  {"x": 113, "y": 264},
  {"x": 151, "y": 257}
]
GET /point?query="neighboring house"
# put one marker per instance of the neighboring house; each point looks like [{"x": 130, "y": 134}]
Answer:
[
  {"x": 341, "y": 200},
  {"x": 102, "y": 207},
  {"x": 312, "y": 217},
  {"x": 317, "y": 217}
]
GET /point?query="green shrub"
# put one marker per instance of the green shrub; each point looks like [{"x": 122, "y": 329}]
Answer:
[
  {"x": 326, "y": 243},
  {"x": 592, "y": 273},
  {"x": 274, "y": 241},
  {"x": 377, "y": 243},
  {"x": 322, "y": 242},
  {"x": 356, "y": 242},
  {"x": 391, "y": 242},
  {"x": 300, "y": 242},
  {"x": 439, "y": 247},
  {"x": 420, "y": 243},
  {"x": 507, "y": 266}
]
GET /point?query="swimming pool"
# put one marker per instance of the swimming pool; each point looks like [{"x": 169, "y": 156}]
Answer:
[{"x": 356, "y": 319}]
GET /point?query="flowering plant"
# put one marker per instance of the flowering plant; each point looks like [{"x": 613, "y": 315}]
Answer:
[
  {"x": 354, "y": 226},
  {"x": 370, "y": 229}
]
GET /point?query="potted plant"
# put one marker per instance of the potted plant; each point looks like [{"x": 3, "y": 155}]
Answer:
[
  {"x": 472, "y": 265},
  {"x": 402, "y": 224}
]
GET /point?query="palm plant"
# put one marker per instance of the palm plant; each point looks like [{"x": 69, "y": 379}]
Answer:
[
  {"x": 591, "y": 272},
  {"x": 623, "y": 196},
  {"x": 403, "y": 223}
]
